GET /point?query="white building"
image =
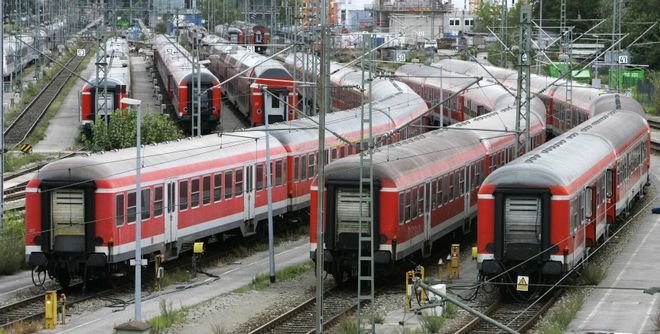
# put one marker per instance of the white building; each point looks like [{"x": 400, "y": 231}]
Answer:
[{"x": 352, "y": 15}]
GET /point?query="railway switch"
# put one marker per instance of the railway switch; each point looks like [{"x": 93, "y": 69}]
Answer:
[{"x": 50, "y": 317}]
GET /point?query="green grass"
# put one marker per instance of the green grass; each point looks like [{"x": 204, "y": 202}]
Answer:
[
  {"x": 14, "y": 162},
  {"x": 175, "y": 276},
  {"x": 168, "y": 317},
  {"x": 12, "y": 247},
  {"x": 262, "y": 281},
  {"x": 431, "y": 323},
  {"x": 23, "y": 327},
  {"x": 347, "y": 326},
  {"x": 593, "y": 274},
  {"x": 557, "y": 319}
]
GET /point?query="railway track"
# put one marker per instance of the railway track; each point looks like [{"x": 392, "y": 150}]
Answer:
[
  {"x": 302, "y": 319},
  {"x": 32, "y": 308},
  {"x": 17, "y": 192},
  {"x": 654, "y": 124},
  {"x": 518, "y": 316},
  {"x": 26, "y": 121}
]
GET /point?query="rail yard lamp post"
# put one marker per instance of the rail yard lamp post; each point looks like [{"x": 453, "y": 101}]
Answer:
[{"x": 138, "y": 210}]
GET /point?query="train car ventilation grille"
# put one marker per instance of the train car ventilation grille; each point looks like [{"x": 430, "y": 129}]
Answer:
[
  {"x": 522, "y": 221},
  {"x": 349, "y": 211}
]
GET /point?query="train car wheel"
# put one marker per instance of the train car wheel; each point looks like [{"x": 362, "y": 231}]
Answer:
[{"x": 39, "y": 275}]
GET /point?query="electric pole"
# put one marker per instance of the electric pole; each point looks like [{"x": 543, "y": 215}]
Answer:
[
  {"x": 503, "y": 32},
  {"x": 523, "y": 96}
]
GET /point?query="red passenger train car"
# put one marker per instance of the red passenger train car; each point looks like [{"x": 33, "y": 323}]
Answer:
[
  {"x": 176, "y": 74},
  {"x": 540, "y": 215},
  {"x": 564, "y": 108},
  {"x": 425, "y": 188},
  {"x": 117, "y": 84},
  {"x": 265, "y": 88},
  {"x": 81, "y": 211}
]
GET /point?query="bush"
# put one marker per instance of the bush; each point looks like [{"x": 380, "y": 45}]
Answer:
[
  {"x": 121, "y": 129},
  {"x": 167, "y": 318},
  {"x": 12, "y": 247},
  {"x": 431, "y": 323}
]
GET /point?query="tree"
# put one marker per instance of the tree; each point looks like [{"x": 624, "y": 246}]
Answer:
[
  {"x": 121, "y": 129},
  {"x": 488, "y": 16},
  {"x": 638, "y": 16}
]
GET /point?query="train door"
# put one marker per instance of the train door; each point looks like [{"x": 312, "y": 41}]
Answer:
[
  {"x": 171, "y": 218},
  {"x": 467, "y": 180},
  {"x": 248, "y": 191},
  {"x": 426, "y": 250},
  {"x": 275, "y": 105}
]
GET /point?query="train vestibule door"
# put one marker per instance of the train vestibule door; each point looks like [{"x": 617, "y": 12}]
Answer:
[
  {"x": 171, "y": 217},
  {"x": 467, "y": 181},
  {"x": 248, "y": 192},
  {"x": 428, "y": 207}
]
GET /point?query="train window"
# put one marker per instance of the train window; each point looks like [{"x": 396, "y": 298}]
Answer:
[
  {"x": 310, "y": 168},
  {"x": 434, "y": 185},
  {"x": 183, "y": 195},
  {"x": 439, "y": 193},
  {"x": 420, "y": 200},
  {"x": 158, "y": 201},
  {"x": 451, "y": 187},
  {"x": 445, "y": 189},
  {"x": 334, "y": 154},
  {"x": 401, "y": 208},
  {"x": 130, "y": 207},
  {"x": 408, "y": 209},
  {"x": 413, "y": 203},
  {"x": 349, "y": 150},
  {"x": 206, "y": 189},
  {"x": 217, "y": 187},
  {"x": 146, "y": 203},
  {"x": 296, "y": 169},
  {"x": 260, "y": 176},
  {"x": 238, "y": 188},
  {"x": 461, "y": 183},
  {"x": 303, "y": 170},
  {"x": 581, "y": 203},
  {"x": 278, "y": 173},
  {"x": 588, "y": 201},
  {"x": 229, "y": 182},
  {"x": 119, "y": 210},
  {"x": 477, "y": 174},
  {"x": 194, "y": 193}
]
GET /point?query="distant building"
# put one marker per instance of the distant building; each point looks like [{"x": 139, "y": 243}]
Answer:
[
  {"x": 457, "y": 22},
  {"x": 309, "y": 14},
  {"x": 353, "y": 16}
]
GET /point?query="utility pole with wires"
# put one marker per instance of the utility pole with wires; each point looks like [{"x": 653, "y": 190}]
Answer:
[
  {"x": 325, "y": 108},
  {"x": 616, "y": 35},
  {"x": 523, "y": 95},
  {"x": 196, "y": 120},
  {"x": 503, "y": 34},
  {"x": 101, "y": 97},
  {"x": 565, "y": 51}
]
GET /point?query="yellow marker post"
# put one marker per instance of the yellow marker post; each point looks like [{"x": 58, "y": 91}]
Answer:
[
  {"x": 50, "y": 318},
  {"x": 454, "y": 264}
]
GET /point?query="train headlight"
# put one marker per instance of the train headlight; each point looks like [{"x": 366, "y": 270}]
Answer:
[{"x": 258, "y": 111}]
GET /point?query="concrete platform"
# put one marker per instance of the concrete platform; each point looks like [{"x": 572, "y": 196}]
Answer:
[
  {"x": 636, "y": 266},
  {"x": 232, "y": 276},
  {"x": 142, "y": 86}
]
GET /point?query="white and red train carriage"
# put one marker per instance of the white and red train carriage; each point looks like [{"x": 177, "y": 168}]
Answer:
[
  {"x": 464, "y": 97},
  {"x": 564, "y": 109},
  {"x": 265, "y": 88},
  {"x": 176, "y": 74},
  {"x": 81, "y": 211},
  {"x": 117, "y": 83},
  {"x": 426, "y": 187},
  {"x": 541, "y": 214}
]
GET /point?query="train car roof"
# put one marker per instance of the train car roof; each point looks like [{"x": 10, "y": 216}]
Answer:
[
  {"x": 563, "y": 160},
  {"x": 176, "y": 60},
  {"x": 184, "y": 154},
  {"x": 390, "y": 113},
  {"x": 410, "y": 161}
]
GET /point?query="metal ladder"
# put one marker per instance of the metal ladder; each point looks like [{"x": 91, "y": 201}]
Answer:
[{"x": 366, "y": 319}]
